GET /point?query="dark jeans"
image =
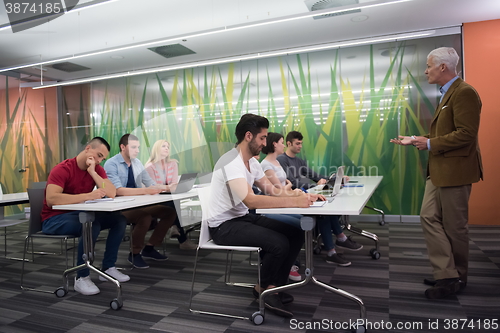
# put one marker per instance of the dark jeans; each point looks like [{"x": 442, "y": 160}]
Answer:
[
  {"x": 141, "y": 219},
  {"x": 281, "y": 243},
  {"x": 326, "y": 225},
  {"x": 182, "y": 235},
  {"x": 69, "y": 224}
]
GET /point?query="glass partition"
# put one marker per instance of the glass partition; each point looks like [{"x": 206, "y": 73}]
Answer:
[{"x": 348, "y": 103}]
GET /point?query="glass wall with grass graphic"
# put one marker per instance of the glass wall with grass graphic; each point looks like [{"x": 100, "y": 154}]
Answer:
[
  {"x": 29, "y": 140},
  {"x": 347, "y": 103}
]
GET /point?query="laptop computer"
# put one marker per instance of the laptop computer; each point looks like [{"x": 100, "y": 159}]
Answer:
[
  {"x": 337, "y": 184},
  {"x": 185, "y": 184}
]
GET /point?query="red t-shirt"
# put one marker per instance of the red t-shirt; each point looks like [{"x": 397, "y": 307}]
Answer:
[{"x": 73, "y": 180}]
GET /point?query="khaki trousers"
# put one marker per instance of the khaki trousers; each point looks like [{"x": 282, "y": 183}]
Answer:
[
  {"x": 444, "y": 216},
  {"x": 141, "y": 219}
]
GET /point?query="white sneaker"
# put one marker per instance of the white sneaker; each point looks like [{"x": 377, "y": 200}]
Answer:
[
  {"x": 116, "y": 274},
  {"x": 85, "y": 286}
]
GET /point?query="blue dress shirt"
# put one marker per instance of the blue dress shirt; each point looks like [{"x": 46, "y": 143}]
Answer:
[{"x": 117, "y": 171}]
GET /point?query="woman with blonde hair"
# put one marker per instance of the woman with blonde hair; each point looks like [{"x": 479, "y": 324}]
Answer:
[
  {"x": 161, "y": 167},
  {"x": 165, "y": 172}
]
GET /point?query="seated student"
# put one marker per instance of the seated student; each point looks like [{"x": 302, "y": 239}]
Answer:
[
  {"x": 231, "y": 196},
  {"x": 72, "y": 181},
  {"x": 301, "y": 176},
  {"x": 164, "y": 170},
  {"x": 128, "y": 175},
  {"x": 277, "y": 176}
]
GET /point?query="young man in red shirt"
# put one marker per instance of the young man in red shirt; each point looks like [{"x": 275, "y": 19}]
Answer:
[{"x": 73, "y": 181}]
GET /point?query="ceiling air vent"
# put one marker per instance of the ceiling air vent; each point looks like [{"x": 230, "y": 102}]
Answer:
[
  {"x": 69, "y": 67},
  {"x": 313, "y": 5},
  {"x": 172, "y": 50}
]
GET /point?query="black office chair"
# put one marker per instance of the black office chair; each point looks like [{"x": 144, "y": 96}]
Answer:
[{"x": 36, "y": 194}]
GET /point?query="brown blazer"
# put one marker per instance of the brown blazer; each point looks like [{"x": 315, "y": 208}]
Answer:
[{"x": 455, "y": 158}]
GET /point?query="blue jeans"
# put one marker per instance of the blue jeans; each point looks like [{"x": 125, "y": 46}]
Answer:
[
  {"x": 69, "y": 224},
  {"x": 326, "y": 225},
  {"x": 291, "y": 219}
]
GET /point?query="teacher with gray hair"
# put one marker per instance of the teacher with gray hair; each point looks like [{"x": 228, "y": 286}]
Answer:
[{"x": 454, "y": 164}]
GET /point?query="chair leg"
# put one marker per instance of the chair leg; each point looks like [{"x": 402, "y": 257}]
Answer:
[
  {"x": 26, "y": 245},
  {"x": 32, "y": 250},
  {"x": 229, "y": 262},
  {"x": 74, "y": 247},
  {"x": 214, "y": 313},
  {"x": 66, "y": 252},
  {"x": 5, "y": 241},
  {"x": 192, "y": 283}
]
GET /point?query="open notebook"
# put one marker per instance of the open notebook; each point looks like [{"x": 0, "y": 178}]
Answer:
[{"x": 115, "y": 200}]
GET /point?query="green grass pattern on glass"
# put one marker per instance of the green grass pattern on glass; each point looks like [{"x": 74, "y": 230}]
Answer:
[{"x": 200, "y": 109}]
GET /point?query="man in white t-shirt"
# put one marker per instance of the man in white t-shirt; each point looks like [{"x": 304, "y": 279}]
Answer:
[{"x": 232, "y": 196}]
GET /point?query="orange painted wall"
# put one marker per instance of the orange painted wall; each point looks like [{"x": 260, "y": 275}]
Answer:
[{"x": 482, "y": 71}]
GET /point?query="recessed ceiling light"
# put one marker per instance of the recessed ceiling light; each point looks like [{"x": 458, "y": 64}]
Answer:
[
  {"x": 359, "y": 18},
  {"x": 116, "y": 57}
]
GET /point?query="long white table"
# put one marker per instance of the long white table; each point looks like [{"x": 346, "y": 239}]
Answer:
[
  {"x": 9, "y": 200},
  {"x": 12, "y": 199},
  {"x": 86, "y": 218},
  {"x": 139, "y": 201},
  {"x": 350, "y": 201}
]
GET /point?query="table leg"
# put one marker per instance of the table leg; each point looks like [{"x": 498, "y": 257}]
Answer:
[
  {"x": 308, "y": 224},
  {"x": 86, "y": 218}
]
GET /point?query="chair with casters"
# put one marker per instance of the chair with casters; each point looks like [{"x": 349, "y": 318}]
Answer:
[
  {"x": 207, "y": 243},
  {"x": 36, "y": 194}
]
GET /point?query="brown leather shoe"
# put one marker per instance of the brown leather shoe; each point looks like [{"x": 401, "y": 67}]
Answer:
[
  {"x": 430, "y": 282},
  {"x": 443, "y": 288}
]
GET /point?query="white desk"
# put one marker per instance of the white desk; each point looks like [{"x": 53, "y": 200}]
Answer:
[
  {"x": 12, "y": 199},
  {"x": 86, "y": 218},
  {"x": 139, "y": 201},
  {"x": 350, "y": 201},
  {"x": 8, "y": 200}
]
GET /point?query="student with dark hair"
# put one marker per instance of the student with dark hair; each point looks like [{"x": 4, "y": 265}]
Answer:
[
  {"x": 277, "y": 176},
  {"x": 72, "y": 181},
  {"x": 297, "y": 171},
  {"x": 301, "y": 176},
  {"x": 230, "y": 222},
  {"x": 129, "y": 176}
]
